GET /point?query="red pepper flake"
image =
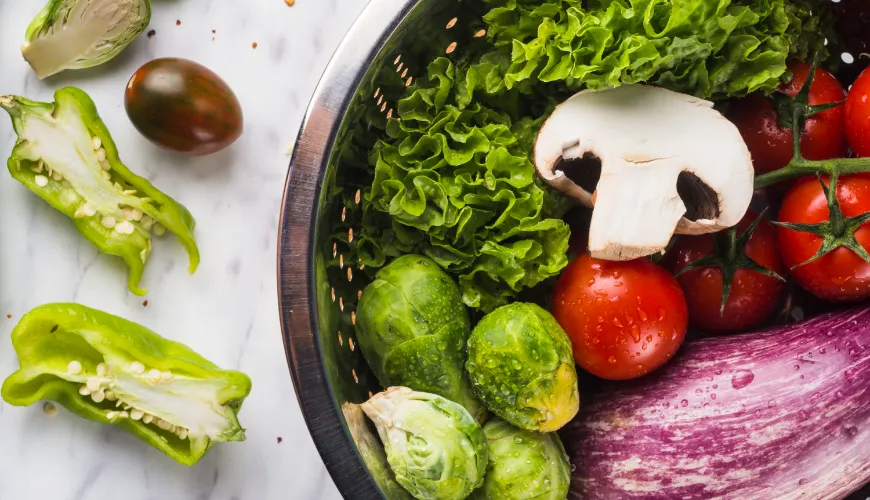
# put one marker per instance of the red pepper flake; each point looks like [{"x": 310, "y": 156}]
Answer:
[
  {"x": 144, "y": 303},
  {"x": 8, "y": 316},
  {"x": 280, "y": 439},
  {"x": 152, "y": 33},
  {"x": 254, "y": 45},
  {"x": 178, "y": 22}
]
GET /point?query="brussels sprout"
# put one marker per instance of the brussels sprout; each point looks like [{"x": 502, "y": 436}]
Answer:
[
  {"x": 372, "y": 453},
  {"x": 436, "y": 449},
  {"x": 413, "y": 328},
  {"x": 521, "y": 366},
  {"x": 523, "y": 465},
  {"x": 76, "y": 34}
]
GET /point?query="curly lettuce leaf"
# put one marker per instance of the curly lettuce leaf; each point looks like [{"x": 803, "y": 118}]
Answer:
[
  {"x": 708, "y": 48},
  {"x": 454, "y": 182}
]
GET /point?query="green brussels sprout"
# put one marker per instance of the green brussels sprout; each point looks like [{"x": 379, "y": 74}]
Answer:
[
  {"x": 76, "y": 34},
  {"x": 372, "y": 453},
  {"x": 436, "y": 449},
  {"x": 412, "y": 328},
  {"x": 523, "y": 465},
  {"x": 521, "y": 366}
]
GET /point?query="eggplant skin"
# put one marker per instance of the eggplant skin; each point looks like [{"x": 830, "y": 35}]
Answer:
[{"x": 779, "y": 414}]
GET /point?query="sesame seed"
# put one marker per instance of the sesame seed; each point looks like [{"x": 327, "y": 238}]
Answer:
[
  {"x": 41, "y": 180},
  {"x": 353, "y": 317},
  {"x": 50, "y": 409},
  {"x": 341, "y": 261},
  {"x": 349, "y": 274},
  {"x": 96, "y": 142},
  {"x": 377, "y": 92},
  {"x": 137, "y": 414},
  {"x": 340, "y": 339},
  {"x": 409, "y": 81},
  {"x": 355, "y": 379},
  {"x": 359, "y": 294},
  {"x": 398, "y": 58},
  {"x": 333, "y": 294},
  {"x": 343, "y": 213},
  {"x": 101, "y": 155},
  {"x": 74, "y": 368},
  {"x": 84, "y": 391},
  {"x": 480, "y": 34},
  {"x": 351, "y": 344},
  {"x": 341, "y": 303},
  {"x": 108, "y": 222},
  {"x": 159, "y": 230},
  {"x": 356, "y": 197},
  {"x": 137, "y": 367},
  {"x": 452, "y": 23},
  {"x": 451, "y": 48}
]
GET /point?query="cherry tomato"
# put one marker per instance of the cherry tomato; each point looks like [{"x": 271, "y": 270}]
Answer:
[
  {"x": 183, "y": 106},
  {"x": 858, "y": 115},
  {"x": 840, "y": 275},
  {"x": 625, "y": 319},
  {"x": 753, "y": 296},
  {"x": 770, "y": 145}
]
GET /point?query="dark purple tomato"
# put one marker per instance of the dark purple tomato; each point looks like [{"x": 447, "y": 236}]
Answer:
[{"x": 183, "y": 106}]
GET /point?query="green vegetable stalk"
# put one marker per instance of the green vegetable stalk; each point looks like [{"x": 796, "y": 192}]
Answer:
[
  {"x": 523, "y": 465},
  {"x": 110, "y": 370},
  {"x": 65, "y": 155},
  {"x": 708, "y": 48},
  {"x": 521, "y": 365},
  {"x": 434, "y": 446},
  {"x": 413, "y": 329},
  {"x": 76, "y": 34}
]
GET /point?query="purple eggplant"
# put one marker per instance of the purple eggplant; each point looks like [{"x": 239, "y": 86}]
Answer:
[{"x": 779, "y": 414}]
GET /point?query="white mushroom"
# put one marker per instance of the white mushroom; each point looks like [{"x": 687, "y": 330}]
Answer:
[{"x": 669, "y": 163}]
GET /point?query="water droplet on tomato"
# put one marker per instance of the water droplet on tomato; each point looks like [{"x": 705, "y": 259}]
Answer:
[
  {"x": 639, "y": 366},
  {"x": 649, "y": 338},
  {"x": 661, "y": 314},
  {"x": 601, "y": 319},
  {"x": 617, "y": 323},
  {"x": 643, "y": 346},
  {"x": 611, "y": 360},
  {"x": 642, "y": 314},
  {"x": 635, "y": 334},
  {"x": 599, "y": 328}
]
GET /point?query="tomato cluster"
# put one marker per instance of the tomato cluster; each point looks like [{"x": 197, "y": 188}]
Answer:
[{"x": 626, "y": 319}]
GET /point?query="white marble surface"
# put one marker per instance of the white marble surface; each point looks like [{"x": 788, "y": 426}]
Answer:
[{"x": 228, "y": 310}]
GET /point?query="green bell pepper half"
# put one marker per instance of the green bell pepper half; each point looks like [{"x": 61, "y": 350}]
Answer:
[
  {"x": 110, "y": 370},
  {"x": 66, "y": 156}
]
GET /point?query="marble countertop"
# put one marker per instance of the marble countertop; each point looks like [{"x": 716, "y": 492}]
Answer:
[{"x": 228, "y": 310}]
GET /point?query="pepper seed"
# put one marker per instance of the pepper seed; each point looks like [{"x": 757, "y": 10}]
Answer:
[
  {"x": 41, "y": 180},
  {"x": 125, "y": 227},
  {"x": 137, "y": 367},
  {"x": 105, "y": 175},
  {"x": 137, "y": 214},
  {"x": 163, "y": 424},
  {"x": 96, "y": 142},
  {"x": 56, "y": 176},
  {"x": 98, "y": 396},
  {"x": 102, "y": 369},
  {"x": 159, "y": 230},
  {"x": 123, "y": 414},
  {"x": 154, "y": 374},
  {"x": 147, "y": 418},
  {"x": 84, "y": 391},
  {"x": 89, "y": 210},
  {"x": 106, "y": 167},
  {"x": 101, "y": 155},
  {"x": 111, "y": 415},
  {"x": 182, "y": 434},
  {"x": 50, "y": 409},
  {"x": 110, "y": 396},
  {"x": 147, "y": 222},
  {"x": 74, "y": 368},
  {"x": 93, "y": 383},
  {"x": 137, "y": 414},
  {"x": 108, "y": 222},
  {"x": 166, "y": 376}
]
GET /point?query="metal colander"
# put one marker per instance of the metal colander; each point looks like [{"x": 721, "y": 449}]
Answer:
[{"x": 321, "y": 276}]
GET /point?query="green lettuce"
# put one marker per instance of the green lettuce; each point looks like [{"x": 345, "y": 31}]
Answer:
[
  {"x": 708, "y": 48},
  {"x": 454, "y": 182}
]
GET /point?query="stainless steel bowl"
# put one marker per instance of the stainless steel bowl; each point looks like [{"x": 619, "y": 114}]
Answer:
[{"x": 319, "y": 277}]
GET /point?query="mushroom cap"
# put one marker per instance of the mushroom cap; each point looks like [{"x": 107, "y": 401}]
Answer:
[{"x": 670, "y": 163}]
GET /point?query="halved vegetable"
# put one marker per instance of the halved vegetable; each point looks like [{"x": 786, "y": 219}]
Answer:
[
  {"x": 76, "y": 34},
  {"x": 110, "y": 370},
  {"x": 66, "y": 156}
]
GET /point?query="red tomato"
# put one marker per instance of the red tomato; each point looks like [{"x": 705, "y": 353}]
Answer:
[
  {"x": 625, "y": 319},
  {"x": 753, "y": 296},
  {"x": 823, "y": 137},
  {"x": 858, "y": 115},
  {"x": 841, "y": 275}
]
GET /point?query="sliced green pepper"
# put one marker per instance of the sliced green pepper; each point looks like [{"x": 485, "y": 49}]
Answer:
[
  {"x": 66, "y": 156},
  {"x": 111, "y": 370}
]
